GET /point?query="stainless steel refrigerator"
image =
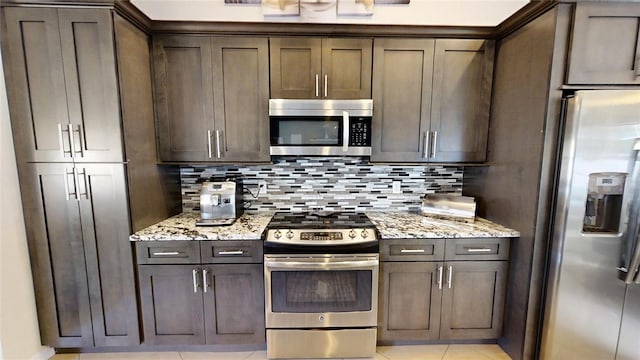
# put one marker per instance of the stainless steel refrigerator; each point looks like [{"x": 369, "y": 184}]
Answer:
[{"x": 592, "y": 306}]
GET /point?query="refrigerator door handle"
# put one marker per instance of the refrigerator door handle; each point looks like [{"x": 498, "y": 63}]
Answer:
[{"x": 630, "y": 272}]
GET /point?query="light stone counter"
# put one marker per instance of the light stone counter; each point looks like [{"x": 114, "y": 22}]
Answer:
[
  {"x": 183, "y": 227},
  {"x": 404, "y": 225},
  {"x": 390, "y": 224}
]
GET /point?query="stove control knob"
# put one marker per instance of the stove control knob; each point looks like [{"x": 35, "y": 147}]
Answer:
[
  {"x": 277, "y": 234},
  {"x": 352, "y": 234},
  {"x": 364, "y": 234},
  {"x": 289, "y": 234}
]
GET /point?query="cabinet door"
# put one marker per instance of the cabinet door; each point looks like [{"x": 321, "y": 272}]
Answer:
[
  {"x": 295, "y": 68},
  {"x": 605, "y": 46},
  {"x": 241, "y": 94},
  {"x": 410, "y": 300},
  {"x": 88, "y": 55},
  {"x": 473, "y": 299},
  {"x": 234, "y": 304},
  {"x": 171, "y": 304},
  {"x": 105, "y": 226},
  {"x": 346, "y": 68},
  {"x": 35, "y": 84},
  {"x": 54, "y": 234},
  {"x": 184, "y": 97},
  {"x": 402, "y": 75},
  {"x": 462, "y": 77}
]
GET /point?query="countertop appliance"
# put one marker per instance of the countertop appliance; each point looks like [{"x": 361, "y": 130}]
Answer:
[
  {"x": 321, "y": 285},
  {"x": 449, "y": 207},
  {"x": 220, "y": 202},
  {"x": 592, "y": 307},
  {"x": 320, "y": 127}
]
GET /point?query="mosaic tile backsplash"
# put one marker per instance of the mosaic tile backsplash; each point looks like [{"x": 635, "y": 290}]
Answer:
[{"x": 327, "y": 183}]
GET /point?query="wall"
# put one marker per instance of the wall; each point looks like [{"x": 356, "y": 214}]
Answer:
[
  {"x": 417, "y": 12},
  {"x": 331, "y": 183},
  {"x": 19, "y": 334}
]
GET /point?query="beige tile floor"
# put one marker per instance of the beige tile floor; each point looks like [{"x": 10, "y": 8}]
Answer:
[{"x": 407, "y": 352}]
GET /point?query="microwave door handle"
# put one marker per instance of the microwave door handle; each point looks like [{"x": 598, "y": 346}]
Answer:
[
  {"x": 632, "y": 267},
  {"x": 345, "y": 131}
]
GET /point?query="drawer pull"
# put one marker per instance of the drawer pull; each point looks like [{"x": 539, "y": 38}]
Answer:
[
  {"x": 479, "y": 250},
  {"x": 231, "y": 252},
  {"x": 166, "y": 253},
  {"x": 412, "y": 251}
]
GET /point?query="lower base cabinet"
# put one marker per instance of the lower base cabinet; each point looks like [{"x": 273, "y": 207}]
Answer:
[
  {"x": 441, "y": 300},
  {"x": 202, "y": 304}
]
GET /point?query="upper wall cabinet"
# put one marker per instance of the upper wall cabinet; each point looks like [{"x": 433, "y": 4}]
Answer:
[
  {"x": 212, "y": 98},
  {"x": 313, "y": 68},
  {"x": 605, "y": 46},
  {"x": 64, "y": 92},
  {"x": 431, "y": 100}
]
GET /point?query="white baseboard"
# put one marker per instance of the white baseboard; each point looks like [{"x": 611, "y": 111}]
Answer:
[{"x": 45, "y": 354}]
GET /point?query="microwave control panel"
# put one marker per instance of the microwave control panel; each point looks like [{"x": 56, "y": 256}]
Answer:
[{"x": 360, "y": 132}]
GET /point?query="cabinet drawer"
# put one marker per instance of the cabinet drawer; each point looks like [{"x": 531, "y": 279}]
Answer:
[
  {"x": 168, "y": 252},
  {"x": 225, "y": 251},
  {"x": 477, "y": 249},
  {"x": 412, "y": 250}
]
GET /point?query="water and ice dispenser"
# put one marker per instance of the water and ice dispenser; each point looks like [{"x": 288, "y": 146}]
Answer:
[{"x": 604, "y": 202}]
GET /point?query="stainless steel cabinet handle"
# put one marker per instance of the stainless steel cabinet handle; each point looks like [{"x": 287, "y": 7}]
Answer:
[
  {"x": 84, "y": 183},
  {"x": 218, "y": 154},
  {"x": 194, "y": 272},
  {"x": 67, "y": 189},
  {"x": 231, "y": 252},
  {"x": 411, "y": 251},
  {"x": 479, "y": 250},
  {"x": 204, "y": 280},
  {"x": 71, "y": 141},
  {"x": 166, "y": 253},
  {"x": 80, "y": 137},
  {"x": 434, "y": 144},
  {"x": 61, "y": 140},
  {"x": 425, "y": 150},
  {"x": 317, "y": 85},
  {"x": 449, "y": 277},
  {"x": 345, "y": 131},
  {"x": 439, "y": 277},
  {"x": 326, "y": 85},
  {"x": 209, "y": 143}
]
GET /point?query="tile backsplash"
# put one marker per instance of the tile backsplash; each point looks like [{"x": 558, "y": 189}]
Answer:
[{"x": 327, "y": 183}]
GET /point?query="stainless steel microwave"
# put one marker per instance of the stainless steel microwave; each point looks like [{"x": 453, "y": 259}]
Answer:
[{"x": 320, "y": 127}]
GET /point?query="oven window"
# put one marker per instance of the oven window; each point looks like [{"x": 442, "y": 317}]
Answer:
[
  {"x": 300, "y": 131},
  {"x": 321, "y": 291}
]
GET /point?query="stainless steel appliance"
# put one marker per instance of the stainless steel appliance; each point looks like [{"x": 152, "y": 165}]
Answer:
[
  {"x": 321, "y": 285},
  {"x": 449, "y": 207},
  {"x": 220, "y": 202},
  {"x": 593, "y": 289},
  {"x": 320, "y": 127}
]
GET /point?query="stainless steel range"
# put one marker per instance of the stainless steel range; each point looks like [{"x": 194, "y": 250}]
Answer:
[{"x": 321, "y": 284}]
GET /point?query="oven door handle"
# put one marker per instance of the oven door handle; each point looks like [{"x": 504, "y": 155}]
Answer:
[{"x": 300, "y": 265}]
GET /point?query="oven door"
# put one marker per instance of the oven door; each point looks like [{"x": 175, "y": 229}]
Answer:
[{"x": 321, "y": 291}]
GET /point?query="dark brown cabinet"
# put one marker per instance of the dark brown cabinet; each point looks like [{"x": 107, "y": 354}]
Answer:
[
  {"x": 212, "y": 98},
  {"x": 423, "y": 296},
  {"x": 205, "y": 302},
  {"x": 605, "y": 44},
  {"x": 78, "y": 228},
  {"x": 431, "y": 99},
  {"x": 64, "y": 100},
  {"x": 320, "y": 68}
]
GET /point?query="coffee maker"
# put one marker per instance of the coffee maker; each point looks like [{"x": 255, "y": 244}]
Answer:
[{"x": 220, "y": 202}]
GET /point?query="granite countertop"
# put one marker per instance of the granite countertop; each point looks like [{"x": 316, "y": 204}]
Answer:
[
  {"x": 183, "y": 227},
  {"x": 390, "y": 224},
  {"x": 404, "y": 225}
]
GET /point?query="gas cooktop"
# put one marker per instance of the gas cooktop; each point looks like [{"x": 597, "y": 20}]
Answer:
[
  {"x": 321, "y": 232},
  {"x": 320, "y": 220}
]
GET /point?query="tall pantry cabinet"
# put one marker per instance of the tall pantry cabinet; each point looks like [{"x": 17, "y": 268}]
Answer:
[{"x": 82, "y": 121}]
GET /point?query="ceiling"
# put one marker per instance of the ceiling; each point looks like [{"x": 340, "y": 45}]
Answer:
[{"x": 417, "y": 12}]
